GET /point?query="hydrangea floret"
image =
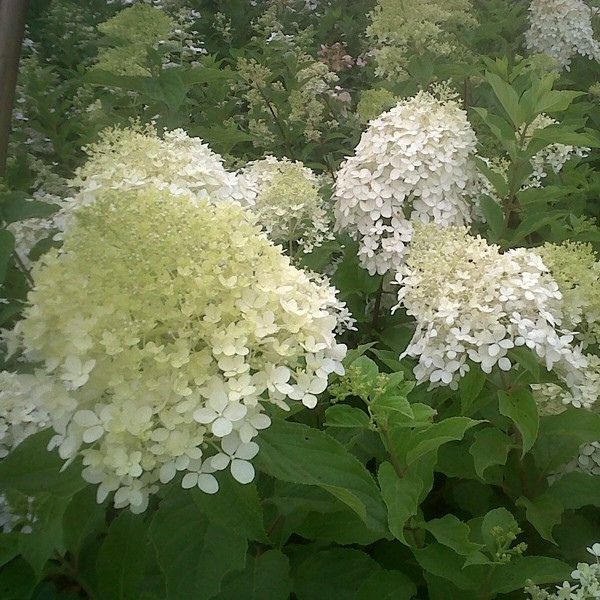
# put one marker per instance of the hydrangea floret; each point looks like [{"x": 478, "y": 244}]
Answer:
[
  {"x": 412, "y": 164},
  {"x": 137, "y": 157},
  {"x": 285, "y": 195},
  {"x": 562, "y": 29},
  {"x": 473, "y": 303},
  {"x": 169, "y": 326}
]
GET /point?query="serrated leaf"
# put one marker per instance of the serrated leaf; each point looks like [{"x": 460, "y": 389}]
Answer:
[
  {"x": 342, "y": 415},
  {"x": 443, "y": 562},
  {"x": 266, "y": 577},
  {"x": 236, "y": 507},
  {"x": 508, "y": 97},
  {"x": 539, "y": 569},
  {"x": 7, "y": 246},
  {"x": 496, "y": 518},
  {"x": 31, "y": 468},
  {"x": 470, "y": 386},
  {"x": 401, "y": 496},
  {"x": 494, "y": 216},
  {"x": 387, "y": 585},
  {"x": 431, "y": 438},
  {"x": 491, "y": 447},
  {"x": 335, "y": 573},
  {"x": 122, "y": 558},
  {"x": 544, "y": 513},
  {"x": 82, "y": 517},
  {"x": 520, "y": 407},
  {"x": 297, "y": 453},
  {"x": 450, "y": 531},
  {"x": 194, "y": 554}
]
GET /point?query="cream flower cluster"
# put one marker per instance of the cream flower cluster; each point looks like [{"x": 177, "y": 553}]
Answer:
[
  {"x": 137, "y": 157},
  {"x": 412, "y": 164},
  {"x": 169, "y": 329},
  {"x": 285, "y": 197},
  {"x": 562, "y": 29},
  {"x": 472, "y": 302},
  {"x": 553, "y": 157},
  {"x": 586, "y": 585}
]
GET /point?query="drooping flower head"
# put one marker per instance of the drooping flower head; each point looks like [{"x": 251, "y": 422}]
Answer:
[
  {"x": 169, "y": 325},
  {"x": 412, "y": 164},
  {"x": 562, "y": 29},
  {"x": 137, "y": 157},
  {"x": 472, "y": 302},
  {"x": 285, "y": 197}
]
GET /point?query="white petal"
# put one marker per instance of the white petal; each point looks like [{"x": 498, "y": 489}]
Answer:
[
  {"x": 219, "y": 461},
  {"x": 208, "y": 483},
  {"x": 242, "y": 471},
  {"x": 92, "y": 434},
  {"x": 221, "y": 427},
  {"x": 247, "y": 451},
  {"x": 235, "y": 411},
  {"x": 205, "y": 415},
  {"x": 189, "y": 480},
  {"x": 167, "y": 472}
]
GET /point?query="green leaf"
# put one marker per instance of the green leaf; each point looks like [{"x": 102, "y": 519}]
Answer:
[
  {"x": 508, "y": 97},
  {"x": 543, "y": 513},
  {"x": 9, "y": 547},
  {"x": 300, "y": 454},
  {"x": 17, "y": 581},
  {"x": 82, "y": 517},
  {"x": 17, "y": 207},
  {"x": 431, "y": 438},
  {"x": 266, "y": 577},
  {"x": 496, "y": 518},
  {"x": 342, "y": 415},
  {"x": 494, "y": 216},
  {"x": 444, "y": 562},
  {"x": 452, "y": 532},
  {"x": 32, "y": 469},
  {"x": 539, "y": 569},
  {"x": 386, "y": 585},
  {"x": 491, "y": 447},
  {"x": 520, "y": 407},
  {"x": 366, "y": 366},
  {"x": 556, "y": 101},
  {"x": 470, "y": 386},
  {"x": 7, "y": 246},
  {"x": 535, "y": 222},
  {"x": 575, "y": 490},
  {"x": 194, "y": 554},
  {"x": 401, "y": 496},
  {"x": 122, "y": 558},
  {"x": 335, "y": 573},
  {"x": 527, "y": 359},
  {"x": 561, "y": 134},
  {"x": 496, "y": 179},
  {"x": 236, "y": 507},
  {"x": 47, "y": 533}
]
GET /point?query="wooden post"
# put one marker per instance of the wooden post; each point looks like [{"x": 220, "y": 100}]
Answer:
[{"x": 12, "y": 29}]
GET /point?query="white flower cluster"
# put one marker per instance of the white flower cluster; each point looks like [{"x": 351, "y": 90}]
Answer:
[
  {"x": 471, "y": 301},
  {"x": 22, "y": 411},
  {"x": 167, "y": 330},
  {"x": 562, "y": 29},
  {"x": 285, "y": 197},
  {"x": 553, "y": 157},
  {"x": 137, "y": 157},
  {"x": 413, "y": 164},
  {"x": 587, "y": 586}
]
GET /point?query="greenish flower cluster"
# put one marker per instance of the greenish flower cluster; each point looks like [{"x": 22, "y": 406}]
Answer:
[{"x": 400, "y": 29}]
